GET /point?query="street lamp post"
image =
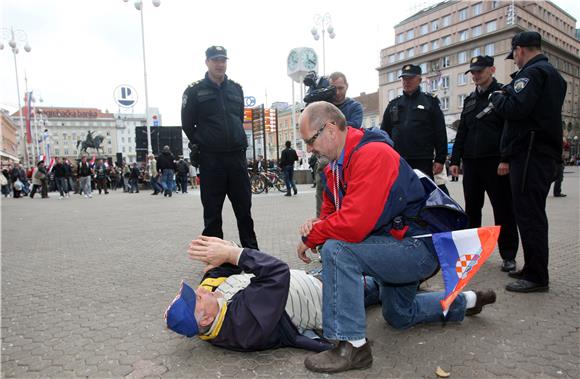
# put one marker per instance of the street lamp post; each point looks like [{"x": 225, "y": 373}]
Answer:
[
  {"x": 324, "y": 22},
  {"x": 15, "y": 37},
  {"x": 139, "y": 7}
]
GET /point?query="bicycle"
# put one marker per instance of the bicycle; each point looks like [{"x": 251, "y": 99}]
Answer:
[{"x": 262, "y": 181}]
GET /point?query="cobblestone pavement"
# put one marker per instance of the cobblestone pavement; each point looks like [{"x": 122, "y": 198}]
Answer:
[{"x": 85, "y": 283}]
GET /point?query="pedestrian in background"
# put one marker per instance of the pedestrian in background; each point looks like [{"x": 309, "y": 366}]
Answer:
[{"x": 287, "y": 159}]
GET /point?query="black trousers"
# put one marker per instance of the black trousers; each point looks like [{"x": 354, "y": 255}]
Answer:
[
  {"x": 529, "y": 194},
  {"x": 221, "y": 175},
  {"x": 480, "y": 176},
  {"x": 425, "y": 165},
  {"x": 559, "y": 179}
]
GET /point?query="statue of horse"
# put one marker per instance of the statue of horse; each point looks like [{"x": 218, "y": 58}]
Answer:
[{"x": 93, "y": 142}]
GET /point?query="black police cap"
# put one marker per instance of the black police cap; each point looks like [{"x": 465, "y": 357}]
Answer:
[
  {"x": 525, "y": 39},
  {"x": 479, "y": 63},
  {"x": 410, "y": 70},
  {"x": 214, "y": 52}
]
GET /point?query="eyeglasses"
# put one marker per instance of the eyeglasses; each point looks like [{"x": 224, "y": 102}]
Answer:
[{"x": 310, "y": 141}]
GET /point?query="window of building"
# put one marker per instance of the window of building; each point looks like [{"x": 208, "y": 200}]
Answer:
[
  {"x": 435, "y": 44},
  {"x": 490, "y": 26},
  {"x": 56, "y": 152},
  {"x": 410, "y": 34},
  {"x": 461, "y": 79},
  {"x": 401, "y": 38},
  {"x": 434, "y": 25},
  {"x": 392, "y": 58},
  {"x": 424, "y": 67},
  {"x": 444, "y": 103},
  {"x": 424, "y": 48},
  {"x": 433, "y": 85},
  {"x": 66, "y": 143},
  {"x": 424, "y": 29},
  {"x": 475, "y": 52},
  {"x": 401, "y": 55},
  {"x": 391, "y": 76},
  {"x": 490, "y": 49},
  {"x": 494, "y": 4},
  {"x": 109, "y": 142},
  {"x": 423, "y": 86},
  {"x": 65, "y": 151},
  {"x": 462, "y": 57},
  {"x": 460, "y": 100},
  {"x": 463, "y": 35},
  {"x": 446, "y": 40},
  {"x": 445, "y": 82},
  {"x": 122, "y": 139},
  {"x": 129, "y": 139},
  {"x": 446, "y": 20},
  {"x": 411, "y": 52},
  {"x": 130, "y": 149},
  {"x": 391, "y": 94},
  {"x": 476, "y": 31},
  {"x": 108, "y": 134},
  {"x": 109, "y": 150},
  {"x": 476, "y": 10},
  {"x": 446, "y": 61},
  {"x": 462, "y": 14},
  {"x": 124, "y": 149}
]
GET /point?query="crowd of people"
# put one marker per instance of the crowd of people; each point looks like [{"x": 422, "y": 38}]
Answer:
[{"x": 84, "y": 177}]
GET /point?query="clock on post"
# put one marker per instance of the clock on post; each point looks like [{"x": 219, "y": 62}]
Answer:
[{"x": 300, "y": 62}]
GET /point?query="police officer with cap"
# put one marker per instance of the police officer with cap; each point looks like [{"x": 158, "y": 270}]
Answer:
[
  {"x": 212, "y": 117},
  {"x": 532, "y": 106},
  {"x": 485, "y": 169},
  {"x": 415, "y": 123}
]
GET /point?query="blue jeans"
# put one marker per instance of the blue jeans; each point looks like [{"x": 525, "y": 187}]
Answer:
[
  {"x": 167, "y": 180},
  {"x": 397, "y": 267},
  {"x": 289, "y": 178},
  {"x": 62, "y": 185},
  {"x": 155, "y": 185}
]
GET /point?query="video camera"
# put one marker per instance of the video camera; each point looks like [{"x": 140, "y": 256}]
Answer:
[{"x": 319, "y": 88}]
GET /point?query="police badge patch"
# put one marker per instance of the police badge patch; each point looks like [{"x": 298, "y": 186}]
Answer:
[
  {"x": 184, "y": 100},
  {"x": 520, "y": 84}
]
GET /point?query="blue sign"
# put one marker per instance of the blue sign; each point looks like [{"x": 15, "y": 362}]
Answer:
[
  {"x": 250, "y": 101},
  {"x": 125, "y": 96}
]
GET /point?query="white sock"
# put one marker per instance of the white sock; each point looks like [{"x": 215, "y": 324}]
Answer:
[
  {"x": 470, "y": 299},
  {"x": 358, "y": 343}
]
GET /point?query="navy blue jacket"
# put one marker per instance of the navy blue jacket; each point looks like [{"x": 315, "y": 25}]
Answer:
[
  {"x": 353, "y": 112},
  {"x": 256, "y": 318}
]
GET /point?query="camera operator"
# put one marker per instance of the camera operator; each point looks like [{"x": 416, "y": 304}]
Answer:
[{"x": 351, "y": 109}]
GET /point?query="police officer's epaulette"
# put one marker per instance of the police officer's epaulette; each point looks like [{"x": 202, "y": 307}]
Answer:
[
  {"x": 234, "y": 83},
  {"x": 194, "y": 83},
  {"x": 431, "y": 94}
]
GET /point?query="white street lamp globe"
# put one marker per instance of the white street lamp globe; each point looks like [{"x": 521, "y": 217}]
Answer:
[
  {"x": 316, "y": 37},
  {"x": 330, "y": 29},
  {"x": 15, "y": 50},
  {"x": 138, "y": 5},
  {"x": 12, "y": 43},
  {"x": 332, "y": 35},
  {"x": 314, "y": 31},
  {"x": 1, "y": 46},
  {"x": 156, "y": 3},
  {"x": 27, "y": 47},
  {"x": 125, "y": 1}
]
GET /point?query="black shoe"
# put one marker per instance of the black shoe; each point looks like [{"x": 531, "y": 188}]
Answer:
[
  {"x": 154, "y": 193},
  {"x": 295, "y": 192},
  {"x": 516, "y": 274},
  {"x": 525, "y": 286},
  {"x": 508, "y": 265},
  {"x": 482, "y": 298},
  {"x": 288, "y": 194},
  {"x": 343, "y": 357},
  {"x": 560, "y": 195}
]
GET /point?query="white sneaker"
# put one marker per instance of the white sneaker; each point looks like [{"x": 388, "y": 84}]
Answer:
[
  {"x": 91, "y": 195},
  {"x": 61, "y": 197},
  {"x": 67, "y": 196},
  {"x": 87, "y": 196}
]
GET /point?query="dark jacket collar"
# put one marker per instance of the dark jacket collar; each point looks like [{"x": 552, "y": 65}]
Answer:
[
  {"x": 536, "y": 59},
  {"x": 212, "y": 83}
]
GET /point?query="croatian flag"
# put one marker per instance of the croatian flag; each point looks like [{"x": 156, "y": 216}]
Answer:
[{"x": 461, "y": 254}]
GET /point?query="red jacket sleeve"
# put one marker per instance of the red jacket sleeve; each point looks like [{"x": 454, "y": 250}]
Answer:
[{"x": 369, "y": 176}]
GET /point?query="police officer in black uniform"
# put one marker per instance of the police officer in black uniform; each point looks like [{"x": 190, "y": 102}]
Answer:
[
  {"x": 416, "y": 124},
  {"x": 477, "y": 144},
  {"x": 532, "y": 105},
  {"x": 212, "y": 117}
]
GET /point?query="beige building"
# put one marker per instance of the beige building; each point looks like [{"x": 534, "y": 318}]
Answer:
[
  {"x": 370, "y": 104},
  {"x": 444, "y": 37},
  {"x": 9, "y": 138}
]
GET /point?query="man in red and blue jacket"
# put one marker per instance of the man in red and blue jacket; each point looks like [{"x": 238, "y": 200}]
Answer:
[{"x": 365, "y": 228}]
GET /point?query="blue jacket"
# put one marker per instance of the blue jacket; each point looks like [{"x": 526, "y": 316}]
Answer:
[
  {"x": 353, "y": 112},
  {"x": 255, "y": 317}
]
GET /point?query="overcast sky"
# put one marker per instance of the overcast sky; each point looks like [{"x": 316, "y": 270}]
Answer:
[{"x": 83, "y": 49}]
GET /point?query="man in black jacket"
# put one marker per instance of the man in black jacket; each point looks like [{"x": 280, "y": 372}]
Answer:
[
  {"x": 532, "y": 105},
  {"x": 477, "y": 144},
  {"x": 416, "y": 125},
  {"x": 166, "y": 165},
  {"x": 212, "y": 117},
  {"x": 287, "y": 160},
  {"x": 59, "y": 170}
]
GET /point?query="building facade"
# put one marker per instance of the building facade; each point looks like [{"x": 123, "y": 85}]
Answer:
[
  {"x": 8, "y": 138},
  {"x": 444, "y": 37},
  {"x": 370, "y": 104}
]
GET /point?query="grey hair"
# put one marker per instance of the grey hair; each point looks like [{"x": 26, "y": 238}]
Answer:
[
  {"x": 320, "y": 112},
  {"x": 198, "y": 316}
]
